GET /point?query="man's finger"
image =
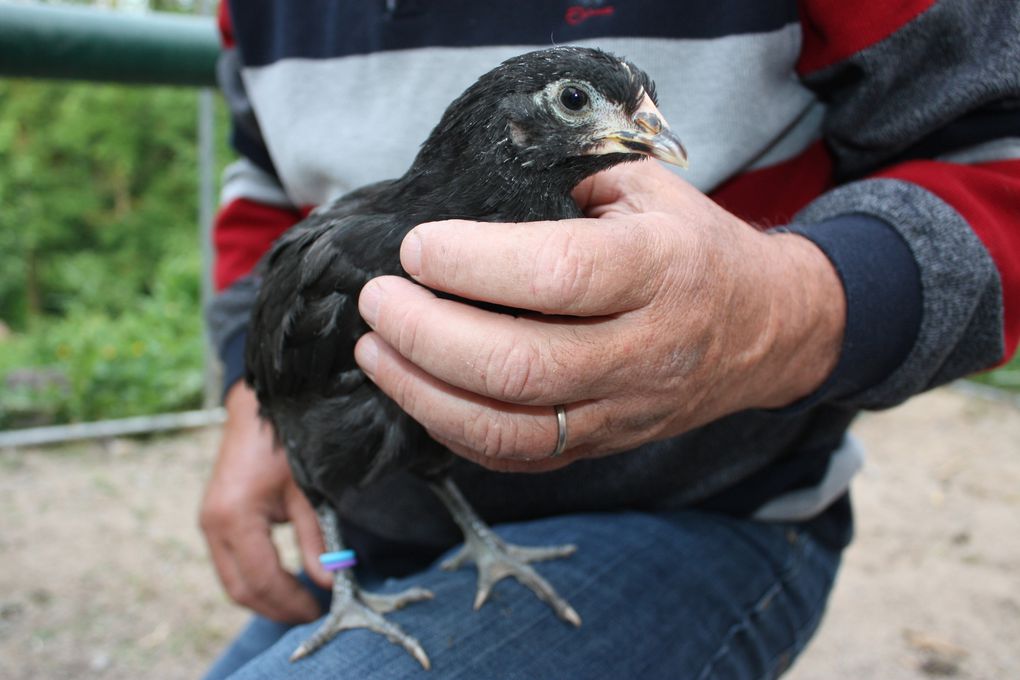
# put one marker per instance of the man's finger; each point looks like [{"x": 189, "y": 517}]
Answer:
[
  {"x": 603, "y": 188},
  {"x": 521, "y": 360},
  {"x": 262, "y": 584},
  {"x": 497, "y": 435},
  {"x": 575, "y": 267}
]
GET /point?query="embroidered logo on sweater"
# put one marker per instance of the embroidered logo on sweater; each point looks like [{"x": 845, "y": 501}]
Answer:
[{"x": 578, "y": 14}]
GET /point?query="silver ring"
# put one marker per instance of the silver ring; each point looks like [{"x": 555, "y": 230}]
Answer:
[{"x": 561, "y": 430}]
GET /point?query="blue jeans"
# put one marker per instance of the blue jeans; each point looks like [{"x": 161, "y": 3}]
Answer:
[{"x": 673, "y": 595}]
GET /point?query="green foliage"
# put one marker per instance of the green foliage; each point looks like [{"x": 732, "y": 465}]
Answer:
[
  {"x": 1007, "y": 377},
  {"x": 179, "y": 6},
  {"x": 96, "y": 181},
  {"x": 99, "y": 253},
  {"x": 88, "y": 364}
]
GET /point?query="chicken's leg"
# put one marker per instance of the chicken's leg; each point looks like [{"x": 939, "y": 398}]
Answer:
[
  {"x": 354, "y": 608},
  {"x": 496, "y": 559}
]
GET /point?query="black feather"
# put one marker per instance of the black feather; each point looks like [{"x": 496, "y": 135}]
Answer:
[{"x": 339, "y": 430}]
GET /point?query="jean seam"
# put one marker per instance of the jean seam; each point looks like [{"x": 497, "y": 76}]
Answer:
[
  {"x": 783, "y": 575},
  {"x": 800, "y": 638}
]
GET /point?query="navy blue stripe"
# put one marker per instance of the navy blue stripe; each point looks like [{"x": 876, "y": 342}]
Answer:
[
  {"x": 883, "y": 301},
  {"x": 269, "y": 30},
  {"x": 232, "y": 356}
]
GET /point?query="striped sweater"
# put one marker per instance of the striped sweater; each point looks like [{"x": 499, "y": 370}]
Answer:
[{"x": 887, "y": 133}]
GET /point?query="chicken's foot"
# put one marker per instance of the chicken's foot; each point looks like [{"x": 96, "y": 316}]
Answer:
[
  {"x": 354, "y": 608},
  {"x": 496, "y": 559}
]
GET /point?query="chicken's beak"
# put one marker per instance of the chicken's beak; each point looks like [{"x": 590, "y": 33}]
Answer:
[{"x": 647, "y": 133}]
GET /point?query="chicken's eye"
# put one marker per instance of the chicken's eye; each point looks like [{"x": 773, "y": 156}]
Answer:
[{"x": 573, "y": 98}]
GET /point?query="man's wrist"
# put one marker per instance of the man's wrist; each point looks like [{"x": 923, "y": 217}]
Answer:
[
  {"x": 804, "y": 325},
  {"x": 884, "y": 300}
]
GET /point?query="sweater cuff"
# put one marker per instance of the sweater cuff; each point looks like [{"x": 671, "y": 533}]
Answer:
[
  {"x": 232, "y": 355},
  {"x": 884, "y": 301}
]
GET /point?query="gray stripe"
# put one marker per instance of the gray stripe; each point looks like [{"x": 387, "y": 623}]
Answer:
[
  {"x": 333, "y": 125},
  {"x": 996, "y": 150},
  {"x": 228, "y": 75},
  {"x": 802, "y": 133},
  {"x": 956, "y": 57},
  {"x": 244, "y": 179}
]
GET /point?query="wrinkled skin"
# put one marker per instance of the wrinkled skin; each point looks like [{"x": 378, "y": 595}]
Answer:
[
  {"x": 688, "y": 314},
  {"x": 250, "y": 490},
  {"x": 679, "y": 314}
]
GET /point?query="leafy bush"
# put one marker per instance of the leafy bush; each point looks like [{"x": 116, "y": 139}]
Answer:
[
  {"x": 99, "y": 255},
  {"x": 93, "y": 364}
]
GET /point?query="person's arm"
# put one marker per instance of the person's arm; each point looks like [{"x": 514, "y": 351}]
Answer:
[
  {"x": 924, "y": 252},
  {"x": 922, "y": 123},
  {"x": 251, "y": 487},
  {"x": 664, "y": 312}
]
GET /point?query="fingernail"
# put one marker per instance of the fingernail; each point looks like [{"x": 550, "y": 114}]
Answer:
[
  {"x": 366, "y": 353},
  {"x": 368, "y": 302},
  {"x": 410, "y": 253}
]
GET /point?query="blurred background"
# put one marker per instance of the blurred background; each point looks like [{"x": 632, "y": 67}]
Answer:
[
  {"x": 100, "y": 236},
  {"x": 110, "y": 154}
]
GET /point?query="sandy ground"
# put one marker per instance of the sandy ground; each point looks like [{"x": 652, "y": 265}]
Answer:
[{"x": 103, "y": 572}]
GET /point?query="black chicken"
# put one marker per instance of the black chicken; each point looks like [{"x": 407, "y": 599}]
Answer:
[{"x": 509, "y": 149}]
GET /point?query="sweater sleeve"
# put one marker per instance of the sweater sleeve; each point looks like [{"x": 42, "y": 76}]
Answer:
[
  {"x": 254, "y": 211},
  {"x": 923, "y": 127}
]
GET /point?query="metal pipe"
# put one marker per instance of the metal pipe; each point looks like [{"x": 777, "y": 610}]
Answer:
[
  {"x": 213, "y": 371},
  {"x": 61, "y": 42},
  {"x": 157, "y": 48},
  {"x": 38, "y": 436}
]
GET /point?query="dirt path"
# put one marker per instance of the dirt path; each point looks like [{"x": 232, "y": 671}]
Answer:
[
  {"x": 931, "y": 586},
  {"x": 103, "y": 573}
]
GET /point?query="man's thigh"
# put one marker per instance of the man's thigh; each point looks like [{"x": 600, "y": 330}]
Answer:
[{"x": 668, "y": 595}]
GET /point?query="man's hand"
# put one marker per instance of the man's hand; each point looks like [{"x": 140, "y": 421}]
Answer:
[
  {"x": 251, "y": 489},
  {"x": 663, "y": 312}
]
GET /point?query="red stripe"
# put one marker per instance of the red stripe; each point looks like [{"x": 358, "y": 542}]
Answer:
[
  {"x": 836, "y": 29},
  {"x": 244, "y": 230},
  {"x": 773, "y": 195},
  {"x": 226, "y": 27},
  {"x": 987, "y": 195}
]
